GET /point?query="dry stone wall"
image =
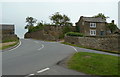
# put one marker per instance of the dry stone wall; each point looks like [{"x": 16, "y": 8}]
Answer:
[
  {"x": 39, "y": 35},
  {"x": 50, "y": 33},
  {"x": 110, "y": 43},
  {"x": 8, "y": 37}
]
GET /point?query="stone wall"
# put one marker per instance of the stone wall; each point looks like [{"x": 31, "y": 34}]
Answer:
[
  {"x": 7, "y": 38},
  {"x": 40, "y": 36},
  {"x": 7, "y": 29},
  {"x": 50, "y": 33},
  {"x": 110, "y": 43},
  {"x": 7, "y": 33}
]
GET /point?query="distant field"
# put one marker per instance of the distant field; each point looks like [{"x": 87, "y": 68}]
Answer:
[{"x": 94, "y": 64}]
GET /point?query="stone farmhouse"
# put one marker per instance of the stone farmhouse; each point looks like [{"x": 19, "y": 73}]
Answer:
[{"x": 91, "y": 26}]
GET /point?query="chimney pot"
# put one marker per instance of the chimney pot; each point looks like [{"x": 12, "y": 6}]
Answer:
[{"x": 113, "y": 21}]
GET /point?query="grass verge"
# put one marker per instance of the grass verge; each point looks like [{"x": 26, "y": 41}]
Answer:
[
  {"x": 115, "y": 52},
  {"x": 10, "y": 40},
  {"x": 4, "y": 47},
  {"x": 94, "y": 64}
]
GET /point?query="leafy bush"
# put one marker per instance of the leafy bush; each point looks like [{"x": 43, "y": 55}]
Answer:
[
  {"x": 74, "y": 34},
  {"x": 39, "y": 26},
  {"x": 36, "y": 28},
  {"x": 66, "y": 29}
]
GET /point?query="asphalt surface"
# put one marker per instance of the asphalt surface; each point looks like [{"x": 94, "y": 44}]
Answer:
[{"x": 35, "y": 57}]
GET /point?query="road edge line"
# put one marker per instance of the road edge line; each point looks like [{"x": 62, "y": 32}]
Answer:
[
  {"x": 71, "y": 47},
  {"x": 16, "y": 46},
  {"x": 74, "y": 48}
]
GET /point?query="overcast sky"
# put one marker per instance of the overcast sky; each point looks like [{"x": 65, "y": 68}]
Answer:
[{"x": 16, "y": 12}]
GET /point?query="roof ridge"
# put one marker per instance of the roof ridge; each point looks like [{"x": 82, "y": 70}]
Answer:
[{"x": 92, "y": 17}]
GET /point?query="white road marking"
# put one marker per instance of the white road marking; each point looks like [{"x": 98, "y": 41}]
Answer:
[
  {"x": 41, "y": 47},
  {"x": 74, "y": 48},
  {"x": 15, "y": 47},
  {"x": 29, "y": 75},
  {"x": 71, "y": 47},
  {"x": 43, "y": 70}
]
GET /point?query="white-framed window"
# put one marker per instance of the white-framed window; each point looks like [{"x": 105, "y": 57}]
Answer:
[
  {"x": 93, "y": 32},
  {"x": 93, "y": 25}
]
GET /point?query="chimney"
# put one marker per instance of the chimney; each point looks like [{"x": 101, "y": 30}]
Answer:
[
  {"x": 112, "y": 21},
  {"x": 81, "y": 16}
]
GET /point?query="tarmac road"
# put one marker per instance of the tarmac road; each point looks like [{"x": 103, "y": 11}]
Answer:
[{"x": 33, "y": 57}]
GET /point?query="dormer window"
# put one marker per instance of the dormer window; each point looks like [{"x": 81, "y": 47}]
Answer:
[{"x": 93, "y": 25}]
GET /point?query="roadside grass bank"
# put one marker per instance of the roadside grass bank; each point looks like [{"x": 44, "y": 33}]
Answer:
[
  {"x": 115, "y": 52},
  {"x": 10, "y": 40},
  {"x": 8, "y": 44},
  {"x": 94, "y": 64}
]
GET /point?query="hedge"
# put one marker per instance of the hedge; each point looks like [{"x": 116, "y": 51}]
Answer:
[{"x": 74, "y": 34}]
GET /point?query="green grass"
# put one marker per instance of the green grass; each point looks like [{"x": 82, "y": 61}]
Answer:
[
  {"x": 77, "y": 34},
  {"x": 10, "y": 40},
  {"x": 4, "y": 47},
  {"x": 115, "y": 52},
  {"x": 94, "y": 64}
]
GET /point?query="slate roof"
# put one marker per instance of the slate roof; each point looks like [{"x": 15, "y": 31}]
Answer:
[{"x": 93, "y": 19}]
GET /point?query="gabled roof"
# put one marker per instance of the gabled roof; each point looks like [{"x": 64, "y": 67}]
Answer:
[
  {"x": 117, "y": 31},
  {"x": 93, "y": 19}
]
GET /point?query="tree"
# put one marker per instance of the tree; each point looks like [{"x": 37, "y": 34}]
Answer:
[
  {"x": 65, "y": 21},
  {"x": 112, "y": 27},
  {"x": 60, "y": 20},
  {"x": 40, "y": 23},
  {"x": 30, "y": 22},
  {"x": 101, "y": 15},
  {"x": 56, "y": 18}
]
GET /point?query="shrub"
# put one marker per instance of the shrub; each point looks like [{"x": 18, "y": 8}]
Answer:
[
  {"x": 36, "y": 28},
  {"x": 66, "y": 29},
  {"x": 74, "y": 34}
]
